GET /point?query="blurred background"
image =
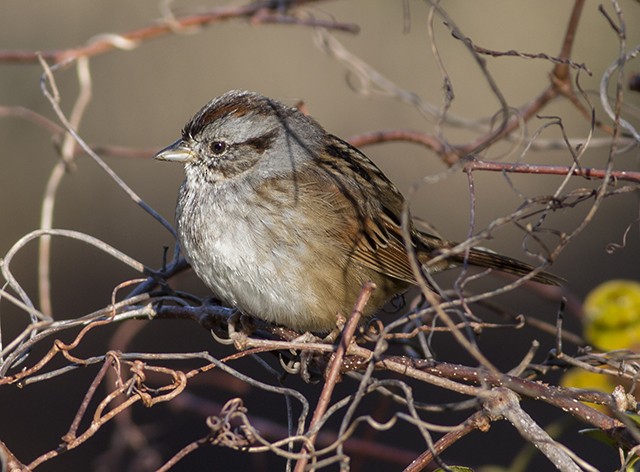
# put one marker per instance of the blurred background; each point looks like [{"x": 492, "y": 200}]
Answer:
[{"x": 142, "y": 97}]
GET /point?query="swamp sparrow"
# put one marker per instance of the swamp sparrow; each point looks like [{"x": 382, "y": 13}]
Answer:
[{"x": 286, "y": 222}]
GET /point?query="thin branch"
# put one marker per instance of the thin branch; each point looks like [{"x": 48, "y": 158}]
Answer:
[
  {"x": 536, "y": 169},
  {"x": 503, "y": 403},
  {"x": 103, "y": 43},
  {"x": 335, "y": 366}
]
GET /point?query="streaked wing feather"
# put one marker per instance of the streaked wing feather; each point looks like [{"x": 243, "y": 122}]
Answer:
[
  {"x": 381, "y": 248},
  {"x": 379, "y": 245}
]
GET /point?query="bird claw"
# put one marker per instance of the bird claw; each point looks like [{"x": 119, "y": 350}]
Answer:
[{"x": 232, "y": 333}]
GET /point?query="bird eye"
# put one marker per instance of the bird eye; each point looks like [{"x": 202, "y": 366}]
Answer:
[{"x": 218, "y": 148}]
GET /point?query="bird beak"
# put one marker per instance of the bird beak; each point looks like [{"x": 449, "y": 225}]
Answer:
[{"x": 176, "y": 152}]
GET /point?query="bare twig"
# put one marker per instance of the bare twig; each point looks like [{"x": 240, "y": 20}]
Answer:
[
  {"x": 503, "y": 403},
  {"x": 107, "y": 42},
  {"x": 334, "y": 368}
]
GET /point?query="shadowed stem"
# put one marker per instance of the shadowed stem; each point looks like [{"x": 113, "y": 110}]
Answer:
[{"x": 334, "y": 368}]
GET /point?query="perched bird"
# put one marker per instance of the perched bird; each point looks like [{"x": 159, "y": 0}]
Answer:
[{"x": 286, "y": 222}]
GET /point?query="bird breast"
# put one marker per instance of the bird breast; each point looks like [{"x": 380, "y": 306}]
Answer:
[{"x": 266, "y": 253}]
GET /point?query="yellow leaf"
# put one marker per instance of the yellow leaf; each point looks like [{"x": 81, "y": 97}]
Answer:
[{"x": 613, "y": 316}]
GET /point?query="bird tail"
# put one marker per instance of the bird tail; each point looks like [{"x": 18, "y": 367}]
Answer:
[{"x": 486, "y": 258}]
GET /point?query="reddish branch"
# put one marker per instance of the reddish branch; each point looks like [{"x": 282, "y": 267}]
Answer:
[
  {"x": 566, "y": 399},
  {"x": 335, "y": 367},
  {"x": 411, "y": 136},
  {"x": 551, "y": 170},
  {"x": 433, "y": 143},
  {"x": 560, "y": 84},
  {"x": 9, "y": 461},
  {"x": 477, "y": 421},
  {"x": 258, "y": 12}
]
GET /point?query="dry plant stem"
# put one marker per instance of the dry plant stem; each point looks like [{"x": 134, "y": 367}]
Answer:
[
  {"x": 430, "y": 296},
  {"x": 604, "y": 99},
  {"x": 550, "y": 329},
  {"x": 31, "y": 116},
  {"x": 58, "y": 347},
  {"x": 110, "y": 250},
  {"x": 36, "y": 332},
  {"x": 493, "y": 135},
  {"x": 551, "y": 170},
  {"x": 603, "y": 189},
  {"x": 456, "y": 369},
  {"x": 570, "y": 200},
  {"x": 399, "y": 365},
  {"x": 560, "y": 85},
  {"x": 270, "y": 429},
  {"x": 525, "y": 362},
  {"x": 396, "y": 364},
  {"x": 8, "y": 461},
  {"x": 407, "y": 366},
  {"x": 448, "y": 93},
  {"x": 462, "y": 278},
  {"x": 273, "y": 447},
  {"x": 405, "y": 135},
  {"x": 368, "y": 448},
  {"x": 500, "y": 402},
  {"x": 377, "y": 137},
  {"x": 503, "y": 403},
  {"x": 55, "y": 130},
  {"x": 370, "y": 82},
  {"x": 67, "y": 154},
  {"x": 124, "y": 422},
  {"x": 624, "y": 367},
  {"x": 108, "y": 42},
  {"x": 100, "y": 419},
  {"x": 44, "y": 245},
  {"x": 71, "y": 434},
  {"x": 38, "y": 319},
  {"x": 478, "y": 420},
  {"x": 565, "y": 399},
  {"x": 562, "y": 70},
  {"x": 474, "y": 325},
  {"x": 185, "y": 451},
  {"x": 334, "y": 369},
  {"x": 48, "y": 78}
]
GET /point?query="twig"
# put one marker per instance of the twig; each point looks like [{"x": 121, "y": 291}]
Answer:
[
  {"x": 334, "y": 369},
  {"x": 478, "y": 420},
  {"x": 537, "y": 169},
  {"x": 47, "y": 78},
  {"x": 71, "y": 436},
  {"x": 107, "y": 42},
  {"x": 8, "y": 461},
  {"x": 46, "y": 215},
  {"x": 503, "y": 403}
]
